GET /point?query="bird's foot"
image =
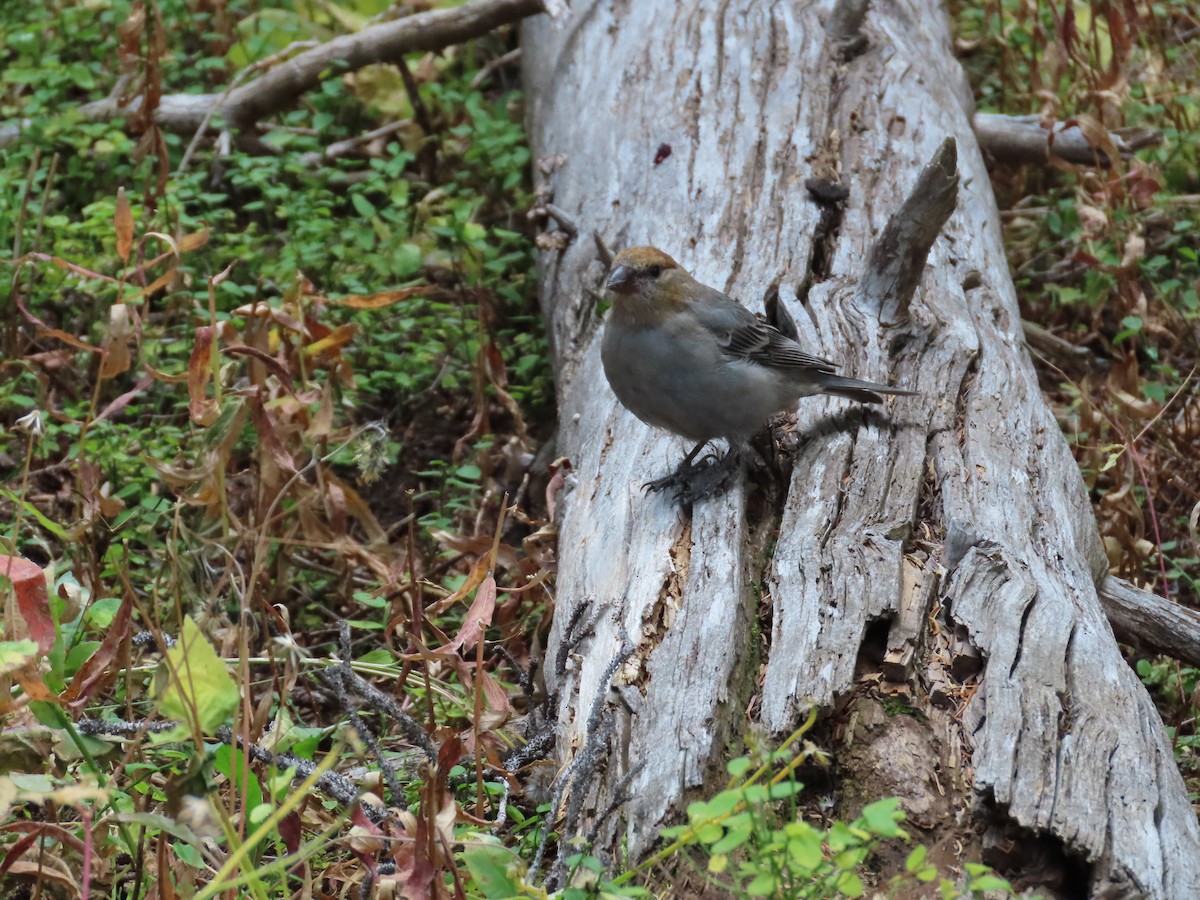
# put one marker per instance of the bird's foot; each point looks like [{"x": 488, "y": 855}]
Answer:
[{"x": 708, "y": 477}]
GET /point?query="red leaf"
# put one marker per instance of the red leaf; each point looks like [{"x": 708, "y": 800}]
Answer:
[
  {"x": 289, "y": 830},
  {"x": 33, "y": 600},
  {"x": 1068, "y": 31}
]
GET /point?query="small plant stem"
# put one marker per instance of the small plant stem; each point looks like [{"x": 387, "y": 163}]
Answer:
[
  {"x": 417, "y": 617},
  {"x": 30, "y": 173},
  {"x": 37, "y": 236},
  {"x": 291, "y": 801},
  {"x": 479, "y": 665},
  {"x": 475, "y": 727}
]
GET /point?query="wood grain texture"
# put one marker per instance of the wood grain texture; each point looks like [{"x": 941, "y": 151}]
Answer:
[
  {"x": 1150, "y": 623},
  {"x": 966, "y": 495}
]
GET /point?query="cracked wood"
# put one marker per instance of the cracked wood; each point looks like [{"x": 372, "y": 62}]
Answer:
[{"x": 751, "y": 99}]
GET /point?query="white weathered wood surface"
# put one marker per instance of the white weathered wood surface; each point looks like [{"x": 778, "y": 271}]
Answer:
[{"x": 753, "y": 99}]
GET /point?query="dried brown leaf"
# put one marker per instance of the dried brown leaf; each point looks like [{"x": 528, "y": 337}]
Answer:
[
  {"x": 123, "y": 223},
  {"x": 98, "y": 672},
  {"x": 386, "y": 298},
  {"x": 203, "y": 410},
  {"x": 116, "y": 358}
]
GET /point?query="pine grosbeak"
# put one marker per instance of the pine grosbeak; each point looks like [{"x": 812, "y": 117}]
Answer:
[{"x": 683, "y": 356}]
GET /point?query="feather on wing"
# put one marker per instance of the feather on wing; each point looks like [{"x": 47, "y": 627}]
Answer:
[{"x": 743, "y": 335}]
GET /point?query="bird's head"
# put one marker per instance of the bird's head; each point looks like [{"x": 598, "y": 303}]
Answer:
[{"x": 647, "y": 284}]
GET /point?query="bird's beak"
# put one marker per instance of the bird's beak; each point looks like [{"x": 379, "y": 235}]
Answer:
[{"x": 620, "y": 280}]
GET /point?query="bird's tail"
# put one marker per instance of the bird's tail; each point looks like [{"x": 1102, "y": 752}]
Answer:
[{"x": 862, "y": 391}]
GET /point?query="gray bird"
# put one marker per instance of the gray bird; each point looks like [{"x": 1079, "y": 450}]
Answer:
[{"x": 685, "y": 357}]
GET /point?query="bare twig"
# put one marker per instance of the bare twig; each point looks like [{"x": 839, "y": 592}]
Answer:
[{"x": 493, "y": 64}]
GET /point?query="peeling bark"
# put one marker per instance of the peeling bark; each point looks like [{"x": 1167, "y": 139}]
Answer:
[{"x": 695, "y": 127}]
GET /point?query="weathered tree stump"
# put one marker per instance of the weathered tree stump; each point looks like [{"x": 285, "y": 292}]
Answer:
[{"x": 942, "y": 548}]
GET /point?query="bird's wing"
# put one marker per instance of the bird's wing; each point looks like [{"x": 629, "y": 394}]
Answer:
[{"x": 743, "y": 335}]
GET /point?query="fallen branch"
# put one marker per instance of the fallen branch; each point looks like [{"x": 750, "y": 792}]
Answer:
[
  {"x": 278, "y": 89},
  {"x": 1150, "y": 623},
  {"x": 1074, "y": 360},
  {"x": 1025, "y": 139}
]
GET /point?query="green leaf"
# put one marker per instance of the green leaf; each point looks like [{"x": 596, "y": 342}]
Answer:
[
  {"x": 738, "y": 767},
  {"x": 851, "y": 859},
  {"x": 194, "y": 680},
  {"x": 188, "y": 855},
  {"x": 840, "y": 837},
  {"x": 586, "y": 861},
  {"x": 380, "y": 656},
  {"x": 722, "y": 804},
  {"x": 82, "y": 76},
  {"x": 916, "y": 859},
  {"x": 228, "y": 762},
  {"x": 761, "y": 885},
  {"x": 883, "y": 817},
  {"x": 755, "y": 794},
  {"x": 362, "y": 206},
  {"x": 17, "y": 654},
  {"x": 489, "y": 866},
  {"x": 850, "y": 885},
  {"x": 805, "y": 849},
  {"x": 101, "y": 613},
  {"x": 989, "y": 883},
  {"x": 785, "y": 789},
  {"x": 731, "y": 841}
]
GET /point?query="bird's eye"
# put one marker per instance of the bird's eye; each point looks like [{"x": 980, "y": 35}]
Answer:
[{"x": 654, "y": 271}]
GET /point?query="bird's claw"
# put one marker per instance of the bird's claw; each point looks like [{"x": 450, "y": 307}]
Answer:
[{"x": 708, "y": 477}]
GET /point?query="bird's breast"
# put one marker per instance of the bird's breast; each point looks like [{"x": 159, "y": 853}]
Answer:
[{"x": 687, "y": 385}]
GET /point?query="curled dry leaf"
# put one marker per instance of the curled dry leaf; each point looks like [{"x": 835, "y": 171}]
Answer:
[
  {"x": 506, "y": 555},
  {"x": 1134, "y": 252},
  {"x": 559, "y": 470},
  {"x": 204, "y": 411},
  {"x": 477, "y": 620},
  {"x": 98, "y": 672},
  {"x": 66, "y": 266},
  {"x": 116, "y": 358}
]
